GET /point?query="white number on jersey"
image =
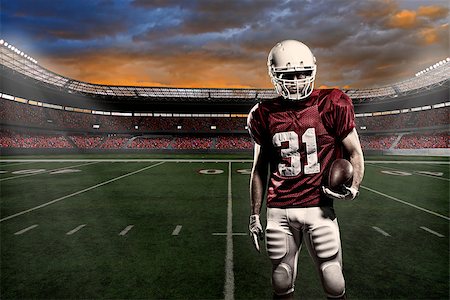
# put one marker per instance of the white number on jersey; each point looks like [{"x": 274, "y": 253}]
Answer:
[{"x": 291, "y": 152}]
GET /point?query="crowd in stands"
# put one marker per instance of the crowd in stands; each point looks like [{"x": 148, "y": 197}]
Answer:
[
  {"x": 151, "y": 143},
  {"x": 12, "y": 139},
  {"x": 191, "y": 124},
  {"x": 187, "y": 142},
  {"x": 116, "y": 123},
  {"x": 68, "y": 119},
  {"x": 414, "y": 141},
  {"x": 15, "y": 113},
  {"x": 377, "y": 142},
  {"x": 419, "y": 119},
  {"x": 20, "y": 113},
  {"x": 75, "y": 130},
  {"x": 234, "y": 142},
  {"x": 114, "y": 143},
  {"x": 86, "y": 142}
]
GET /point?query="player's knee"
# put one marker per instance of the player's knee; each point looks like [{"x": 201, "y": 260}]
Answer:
[
  {"x": 282, "y": 278},
  {"x": 334, "y": 282}
]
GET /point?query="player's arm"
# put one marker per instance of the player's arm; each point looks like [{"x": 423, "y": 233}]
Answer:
[
  {"x": 353, "y": 146},
  {"x": 258, "y": 183}
]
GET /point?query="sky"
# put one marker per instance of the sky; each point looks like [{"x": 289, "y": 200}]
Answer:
[{"x": 224, "y": 43}]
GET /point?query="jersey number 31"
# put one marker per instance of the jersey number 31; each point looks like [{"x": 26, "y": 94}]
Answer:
[{"x": 291, "y": 152}]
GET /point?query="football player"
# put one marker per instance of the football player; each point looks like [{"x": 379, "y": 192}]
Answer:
[{"x": 297, "y": 136}]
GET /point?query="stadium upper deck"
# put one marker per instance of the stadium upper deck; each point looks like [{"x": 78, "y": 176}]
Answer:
[{"x": 15, "y": 60}]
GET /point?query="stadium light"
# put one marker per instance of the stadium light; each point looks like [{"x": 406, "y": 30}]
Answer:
[
  {"x": 1, "y": 42},
  {"x": 6, "y": 44}
]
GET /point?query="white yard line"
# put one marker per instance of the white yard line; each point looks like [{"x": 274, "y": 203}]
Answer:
[
  {"x": 406, "y": 203},
  {"x": 229, "y": 273},
  {"x": 381, "y": 231},
  {"x": 432, "y": 231},
  {"x": 79, "y": 192},
  {"x": 75, "y": 229},
  {"x": 26, "y": 229},
  {"x": 15, "y": 164},
  {"x": 203, "y": 160},
  {"x": 125, "y": 231},
  {"x": 177, "y": 230},
  {"x": 425, "y": 162},
  {"x": 225, "y": 233},
  {"x": 130, "y": 160},
  {"x": 47, "y": 171}
]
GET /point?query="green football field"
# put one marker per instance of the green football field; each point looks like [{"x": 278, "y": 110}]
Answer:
[{"x": 175, "y": 227}]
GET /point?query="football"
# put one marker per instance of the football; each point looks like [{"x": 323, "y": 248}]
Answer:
[{"x": 341, "y": 173}]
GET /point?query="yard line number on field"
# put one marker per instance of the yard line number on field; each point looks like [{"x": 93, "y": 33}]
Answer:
[{"x": 47, "y": 171}]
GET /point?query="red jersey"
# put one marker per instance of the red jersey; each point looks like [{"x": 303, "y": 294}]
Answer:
[{"x": 302, "y": 138}]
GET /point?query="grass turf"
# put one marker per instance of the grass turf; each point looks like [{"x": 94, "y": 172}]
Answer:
[{"x": 150, "y": 262}]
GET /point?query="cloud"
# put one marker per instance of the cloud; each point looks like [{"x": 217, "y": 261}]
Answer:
[
  {"x": 433, "y": 12},
  {"x": 195, "y": 69},
  {"x": 69, "y": 20},
  {"x": 433, "y": 35},
  {"x": 204, "y": 43},
  {"x": 201, "y": 17},
  {"x": 404, "y": 19},
  {"x": 373, "y": 10}
]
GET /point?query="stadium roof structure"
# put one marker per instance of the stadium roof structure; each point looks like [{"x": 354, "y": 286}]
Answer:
[{"x": 17, "y": 61}]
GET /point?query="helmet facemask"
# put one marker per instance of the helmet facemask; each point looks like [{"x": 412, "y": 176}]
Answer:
[{"x": 294, "y": 85}]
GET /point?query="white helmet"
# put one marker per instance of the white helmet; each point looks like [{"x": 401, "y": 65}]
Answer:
[{"x": 292, "y": 68}]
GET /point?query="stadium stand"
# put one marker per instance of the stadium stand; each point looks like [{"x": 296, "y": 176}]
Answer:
[
  {"x": 419, "y": 119},
  {"x": 234, "y": 142},
  {"x": 86, "y": 142},
  {"x": 43, "y": 110},
  {"x": 424, "y": 140},
  {"x": 151, "y": 143},
  {"x": 9, "y": 139}
]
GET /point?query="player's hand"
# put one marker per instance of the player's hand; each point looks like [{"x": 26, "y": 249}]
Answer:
[
  {"x": 256, "y": 231},
  {"x": 349, "y": 193}
]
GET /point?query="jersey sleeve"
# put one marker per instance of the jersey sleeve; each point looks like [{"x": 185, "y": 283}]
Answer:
[
  {"x": 338, "y": 114},
  {"x": 256, "y": 125}
]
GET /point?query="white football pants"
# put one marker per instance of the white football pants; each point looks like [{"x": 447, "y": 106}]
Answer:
[{"x": 318, "y": 227}]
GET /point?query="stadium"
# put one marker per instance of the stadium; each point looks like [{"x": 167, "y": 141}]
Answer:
[{"x": 142, "y": 192}]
